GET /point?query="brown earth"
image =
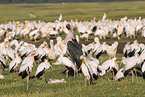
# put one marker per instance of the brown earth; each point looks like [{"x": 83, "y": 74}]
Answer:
[{"x": 108, "y": 40}]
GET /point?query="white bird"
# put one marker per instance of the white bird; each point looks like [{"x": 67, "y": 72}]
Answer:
[
  {"x": 51, "y": 54},
  {"x": 9, "y": 50},
  {"x": 32, "y": 15},
  {"x": 86, "y": 69},
  {"x": 1, "y": 76},
  {"x": 108, "y": 65},
  {"x": 94, "y": 63},
  {"x": 52, "y": 81},
  {"x": 14, "y": 63},
  {"x": 85, "y": 35},
  {"x": 126, "y": 49},
  {"x": 104, "y": 17},
  {"x": 119, "y": 74},
  {"x": 42, "y": 68},
  {"x": 112, "y": 50},
  {"x": 34, "y": 34},
  {"x": 99, "y": 50},
  {"x": 3, "y": 62},
  {"x": 60, "y": 18},
  {"x": 26, "y": 66},
  {"x": 130, "y": 64},
  {"x": 67, "y": 63},
  {"x": 120, "y": 30}
]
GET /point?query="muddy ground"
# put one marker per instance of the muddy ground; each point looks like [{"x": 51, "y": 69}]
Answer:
[{"x": 108, "y": 40}]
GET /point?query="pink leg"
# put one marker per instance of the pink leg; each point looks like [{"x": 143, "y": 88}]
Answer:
[{"x": 67, "y": 73}]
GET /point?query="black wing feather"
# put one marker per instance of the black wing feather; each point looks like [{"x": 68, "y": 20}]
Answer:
[{"x": 75, "y": 51}]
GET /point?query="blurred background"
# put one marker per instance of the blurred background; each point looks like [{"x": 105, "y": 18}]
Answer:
[{"x": 59, "y": 1}]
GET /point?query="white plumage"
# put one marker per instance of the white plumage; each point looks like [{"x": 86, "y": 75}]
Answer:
[
  {"x": 42, "y": 68},
  {"x": 1, "y": 76},
  {"x": 14, "y": 63}
]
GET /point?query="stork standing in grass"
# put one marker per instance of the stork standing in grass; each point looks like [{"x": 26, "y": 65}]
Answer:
[
  {"x": 26, "y": 67},
  {"x": 67, "y": 63},
  {"x": 42, "y": 68},
  {"x": 14, "y": 63},
  {"x": 130, "y": 64}
]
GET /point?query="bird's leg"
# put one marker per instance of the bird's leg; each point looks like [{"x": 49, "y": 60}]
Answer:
[
  {"x": 74, "y": 72},
  {"x": 107, "y": 76},
  {"x": 26, "y": 36},
  {"x": 67, "y": 73},
  {"x": 130, "y": 36},
  {"x": 35, "y": 40},
  {"x": 100, "y": 37},
  {"x": 101, "y": 59},
  {"x": 134, "y": 36},
  {"x": 135, "y": 72},
  {"x": 16, "y": 37},
  {"x": 43, "y": 76},
  {"x": 104, "y": 37},
  {"x": 89, "y": 82},
  {"x": 87, "y": 39},
  {"x": 132, "y": 74},
  {"x": 118, "y": 38},
  {"x": 27, "y": 81},
  {"x": 80, "y": 74}
]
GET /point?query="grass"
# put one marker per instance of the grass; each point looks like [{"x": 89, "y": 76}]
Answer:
[
  {"x": 13, "y": 85},
  {"x": 81, "y": 11}
]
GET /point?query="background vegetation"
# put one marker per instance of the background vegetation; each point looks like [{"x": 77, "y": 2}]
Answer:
[
  {"x": 81, "y": 11},
  {"x": 60, "y": 1}
]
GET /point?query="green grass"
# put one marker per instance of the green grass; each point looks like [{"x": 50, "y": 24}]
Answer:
[
  {"x": 81, "y": 11},
  {"x": 13, "y": 85}
]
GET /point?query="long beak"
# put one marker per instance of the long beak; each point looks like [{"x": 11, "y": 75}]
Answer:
[
  {"x": 121, "y": 62},
  {"x": 139, "y": 58},
  {"x": 94, "y": 45},
  {"x": 81, "y": 64},
  {"x": 106, "y": 46},
  {"x": 57, "y": 60},
  {"x": 80, "y": 67},
  {"x": 138, "y": 44},
  {"x": 89, "y": 54},
  {"x": 51, "y": 66},
  {"x": 21, "y": 59},
  {"x": 116, "y": 64},
  {"x": 2, "y": 56}
]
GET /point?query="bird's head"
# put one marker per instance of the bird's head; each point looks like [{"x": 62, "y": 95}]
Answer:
[
  {"x": 51, "y": 41},
  {"x": 128, "y": 43},
  {"x": 64, "y": 80},
  {"x": 58, "y": 38},
  {"x": 32, "y": 54},
  {"x": 96, "y": 39},
  {"x": 116, "y": 64},
  {"x": 81, "y": 57}
]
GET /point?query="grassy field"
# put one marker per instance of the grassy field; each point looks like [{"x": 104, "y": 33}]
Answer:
[
  {"x": 13, "y": 85},
  {"x": 80, "y": 11}
]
